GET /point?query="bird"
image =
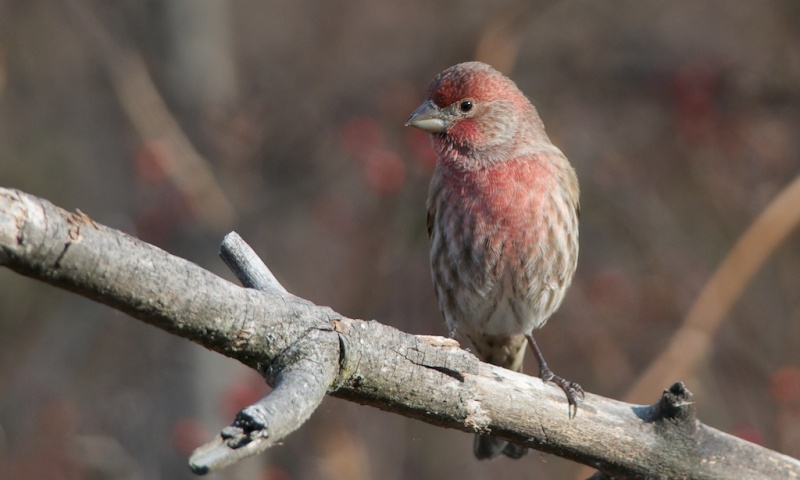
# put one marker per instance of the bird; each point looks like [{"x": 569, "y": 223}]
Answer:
[{"x": 503, "y": 210}]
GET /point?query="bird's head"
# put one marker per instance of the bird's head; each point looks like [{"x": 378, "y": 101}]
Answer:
[{"x": 474, "y": 108}]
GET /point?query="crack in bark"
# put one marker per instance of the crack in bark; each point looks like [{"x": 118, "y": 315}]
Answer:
[
  {"x": 450, "y": 372},
  {"x": 447, "y": 371},
  {"x": 57, "y": 263}
]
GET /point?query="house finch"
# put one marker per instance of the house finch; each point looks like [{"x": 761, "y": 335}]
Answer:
[{"x": 502, "y": 221}]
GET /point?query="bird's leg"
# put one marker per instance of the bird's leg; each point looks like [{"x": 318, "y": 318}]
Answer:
[{"x": 573, "y": 390}]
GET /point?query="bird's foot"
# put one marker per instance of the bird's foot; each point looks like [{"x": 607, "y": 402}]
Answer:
[{"x": 574, "y": 392}]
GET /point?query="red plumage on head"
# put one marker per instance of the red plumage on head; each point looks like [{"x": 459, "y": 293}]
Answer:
[
  {"x": 474, "y": 80},
  {"x": 502, "y": 125}
]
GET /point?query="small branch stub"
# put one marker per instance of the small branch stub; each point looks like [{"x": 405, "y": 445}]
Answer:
[
  {"x": 247, "y": 266},
  {"x": 302, "y": 375}
]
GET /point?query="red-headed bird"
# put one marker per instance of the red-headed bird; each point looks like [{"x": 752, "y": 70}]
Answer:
[{"x": 502, "y": 221}]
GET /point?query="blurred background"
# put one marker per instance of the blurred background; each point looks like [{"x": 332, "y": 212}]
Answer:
[{"x": 180, "y": 121}]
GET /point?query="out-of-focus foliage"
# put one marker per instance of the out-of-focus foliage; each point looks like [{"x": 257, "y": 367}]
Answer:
[{"x": 681, "y": 118}]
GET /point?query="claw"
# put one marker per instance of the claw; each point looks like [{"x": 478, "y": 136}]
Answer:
[{"x": 574, "y": 392}]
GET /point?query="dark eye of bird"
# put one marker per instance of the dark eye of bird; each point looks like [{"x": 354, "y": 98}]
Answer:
[{"x": 465, "y": 106}]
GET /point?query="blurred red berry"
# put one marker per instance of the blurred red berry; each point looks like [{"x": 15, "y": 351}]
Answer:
[
  {"x": 385, "y": 172},
  {"x": 361, "y": 136},
  {"x": 749, "y": 433},
  {"x": 785, "y": 385},
  {"x": 244, "y": 392},
  {"x": 152, "y": 161},
  {"x": 188, "y": 434},
  {"x": 696, "y": 88}
]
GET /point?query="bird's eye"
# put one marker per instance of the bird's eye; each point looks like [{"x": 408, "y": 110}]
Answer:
[{"x": 465, "y": 106}]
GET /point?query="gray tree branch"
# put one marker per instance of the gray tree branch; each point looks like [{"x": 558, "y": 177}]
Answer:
[
  {"x": 305, "y": 350},
  {"x": 298, "y": 388}
]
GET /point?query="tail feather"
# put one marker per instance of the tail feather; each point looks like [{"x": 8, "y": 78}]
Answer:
[
  {"x": 487, "y": 447},
  {"x": 505, "y": 351}
]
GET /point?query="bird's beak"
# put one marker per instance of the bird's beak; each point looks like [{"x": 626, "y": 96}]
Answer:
[{"x": 428, "y": 117}]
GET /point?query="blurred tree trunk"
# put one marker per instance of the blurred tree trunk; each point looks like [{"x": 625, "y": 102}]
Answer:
[
  {"x": 202, "y": 79},
  {"x": 200, "y": 53}
]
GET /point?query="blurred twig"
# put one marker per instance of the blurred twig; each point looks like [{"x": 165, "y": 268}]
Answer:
[
  {"x": 499, "y": 42},
  {"x": 691, "y": 342},
  {"x": 151, "y": 118}
]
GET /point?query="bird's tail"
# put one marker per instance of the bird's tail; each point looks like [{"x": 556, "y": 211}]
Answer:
[
  {"x": 488, "y": 447},
  {"x": 505, "y": 351}
]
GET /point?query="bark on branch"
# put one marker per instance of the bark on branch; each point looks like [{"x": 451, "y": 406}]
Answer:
[{"x": 305, "y": 351}]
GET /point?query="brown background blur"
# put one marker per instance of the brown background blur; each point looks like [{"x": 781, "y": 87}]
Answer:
[{"x": 681, "y": 118}]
